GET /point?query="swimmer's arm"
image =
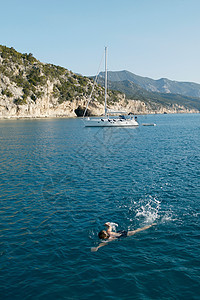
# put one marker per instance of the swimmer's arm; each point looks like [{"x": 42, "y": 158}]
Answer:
[
  {"x": 109, "y": 230},
  {"x": 94, "y": 249}
]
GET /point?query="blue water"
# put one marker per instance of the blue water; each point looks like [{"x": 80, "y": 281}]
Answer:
[{"x": 60, "y": 182}]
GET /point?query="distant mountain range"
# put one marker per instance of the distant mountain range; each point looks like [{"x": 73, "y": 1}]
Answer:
[
  {"x": 150, "y": 90},
  {"x": 162, "y": 85}
]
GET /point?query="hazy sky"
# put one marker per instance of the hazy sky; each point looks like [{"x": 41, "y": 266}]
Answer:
[{"x": 153, "y": 38}]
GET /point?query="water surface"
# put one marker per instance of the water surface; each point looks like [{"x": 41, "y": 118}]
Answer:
[{"x": 60, "y": 182}]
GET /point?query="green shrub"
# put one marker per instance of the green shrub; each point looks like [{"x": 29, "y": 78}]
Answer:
[
  {"x": 53, "y": 71},
  {"x": 35, "y": 77},
  {"x": 82, "y": 80},
  {"x": 26, "y": 90},
  {"x": 39, "y": 94},
  {"x": 29, "y": 57},
  {"x": 20, "y": 101},
  {"x": 19, "y": 80},
  {"x": 72, "y": 80},
  {"x": 7, "y": 93}
]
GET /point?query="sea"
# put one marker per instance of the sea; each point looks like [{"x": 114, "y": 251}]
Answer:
[{"x": 60, "y": 182}]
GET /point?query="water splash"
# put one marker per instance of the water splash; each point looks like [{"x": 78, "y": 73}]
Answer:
[
  {"x": 167, "y": 217},
  {"x": 113, "y": 225},
  {"x": 146, "y": 209},
  {"x": 149, "y": 210}
]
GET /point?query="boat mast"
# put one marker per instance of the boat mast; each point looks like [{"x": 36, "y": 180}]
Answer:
[{"x": 105, "y": 80}]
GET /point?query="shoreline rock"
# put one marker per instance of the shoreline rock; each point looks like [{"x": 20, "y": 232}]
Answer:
[{"x": 46, "y": 109}]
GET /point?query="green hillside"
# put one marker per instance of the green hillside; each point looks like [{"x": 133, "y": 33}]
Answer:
[
  {"x": 136, "y": 92},
  {"x": 32, "y": 78},
  {"x": 29, "y": 87},
  {"x": 133, "y": 91},
  {"x": 162, "y": 85}
]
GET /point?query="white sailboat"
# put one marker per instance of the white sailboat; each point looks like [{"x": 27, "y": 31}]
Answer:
[{"x": 106, "y": 120}]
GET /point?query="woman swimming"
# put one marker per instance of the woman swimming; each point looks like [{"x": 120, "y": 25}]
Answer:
[{"x": 109, "y": 235}]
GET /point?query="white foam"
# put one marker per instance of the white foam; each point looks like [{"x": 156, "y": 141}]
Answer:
[
  {"x": 148, "y": 209},
  {"x": 167, "y": 217}
]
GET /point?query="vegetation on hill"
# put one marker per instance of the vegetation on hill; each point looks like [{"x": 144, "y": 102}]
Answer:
[
  {"x": 136, "y": 92},
  {"x": 163, "y": 85},
  {"x": 133, "y": 91},
  {"x": 32, "y": 78},
  {"x": 25, "y": 80}
]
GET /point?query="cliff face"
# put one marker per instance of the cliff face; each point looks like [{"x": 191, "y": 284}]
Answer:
[
  {"x": 31, "y": 89},
  {"x": 44, "y": 106}
]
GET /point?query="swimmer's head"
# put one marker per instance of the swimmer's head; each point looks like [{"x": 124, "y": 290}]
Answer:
[{"x": 103, "y": 235}]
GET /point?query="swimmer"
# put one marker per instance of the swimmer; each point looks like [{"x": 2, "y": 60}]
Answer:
[{"x": 109, "y": 235}]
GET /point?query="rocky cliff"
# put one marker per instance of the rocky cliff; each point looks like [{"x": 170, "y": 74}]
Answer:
[{"x": 31, "y": 89}]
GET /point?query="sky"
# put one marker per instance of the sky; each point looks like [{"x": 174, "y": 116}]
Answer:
[{"x": 151, "y": 38}]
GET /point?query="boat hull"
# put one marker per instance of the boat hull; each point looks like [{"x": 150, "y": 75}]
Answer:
[{"x": 110, "y": 123}]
